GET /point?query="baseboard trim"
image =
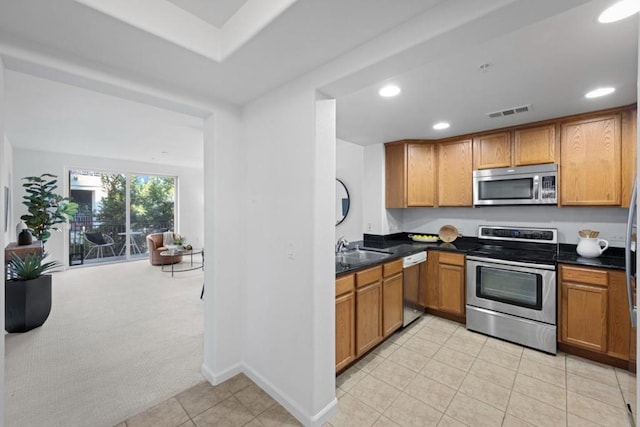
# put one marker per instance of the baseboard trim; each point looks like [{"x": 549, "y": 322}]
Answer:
[
  {"x": 220, "y": 377},
  {"x": 315, "y": 420}
]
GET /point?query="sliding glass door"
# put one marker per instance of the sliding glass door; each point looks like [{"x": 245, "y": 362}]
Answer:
[{"x": 116, "y": 213}]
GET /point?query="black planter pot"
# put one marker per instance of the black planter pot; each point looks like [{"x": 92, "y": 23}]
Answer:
[{"x": 27, "y": 303}]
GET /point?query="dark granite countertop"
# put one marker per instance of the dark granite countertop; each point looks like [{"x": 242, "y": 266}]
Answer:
[
  {"x": 400, "y": 246},
  {"x": 611, "y": 258}
]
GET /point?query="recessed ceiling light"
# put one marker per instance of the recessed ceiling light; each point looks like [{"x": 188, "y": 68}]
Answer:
[
  {"x": 164, "y": 152},
  {"x": 441, "y": 126},
  {"x": 389, "y": 91},
  {"x": 619, "y": 10},
  {"x": 601, "y": 91}
]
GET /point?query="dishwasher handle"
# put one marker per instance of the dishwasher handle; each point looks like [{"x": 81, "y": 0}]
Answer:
[{"x": 414, "y": 259}]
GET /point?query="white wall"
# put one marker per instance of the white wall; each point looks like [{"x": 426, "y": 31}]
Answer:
[
  {"x": 7, "y": 180},
  {"x": 350, "y": 170},
  {"x": 611, "y": 222},
  {"x": 377, "y": 219},
  {"x": 4, "y": 162},
  {"x": 290, "y": 301},
  {"x": 190, "y": 189},
  {"x": 227, "y": 248}
]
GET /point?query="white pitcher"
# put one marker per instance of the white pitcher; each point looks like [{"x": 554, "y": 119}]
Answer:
[{"x": 589, "y": 247}]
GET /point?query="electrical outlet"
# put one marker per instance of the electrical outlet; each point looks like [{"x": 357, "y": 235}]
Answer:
[{"x": 369, "y": 226}]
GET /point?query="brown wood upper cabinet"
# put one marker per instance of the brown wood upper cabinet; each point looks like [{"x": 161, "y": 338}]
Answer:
[
  {"x": 428, "y": 174},
  {"x": 591, "y": 162},
  {"x": 596, "y": 153},
  {"x": 492, "y": 151},
  {"x": 521, "y": 147},
  {"x": 536, "y": 145},
  {"x": 410, "y": 174},
  {"x": 455, "y": 174}
]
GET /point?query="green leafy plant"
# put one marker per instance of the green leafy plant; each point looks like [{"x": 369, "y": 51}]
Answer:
[
  {"x": 31, "y": 267},
  {"x": 46, "y": 208}
]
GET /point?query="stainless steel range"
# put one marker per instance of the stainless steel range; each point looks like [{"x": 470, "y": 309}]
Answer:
[{"x": 511, "y": 285}]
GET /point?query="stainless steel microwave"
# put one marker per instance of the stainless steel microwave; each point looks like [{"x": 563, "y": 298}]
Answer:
[{"x": 524, "y": 185}]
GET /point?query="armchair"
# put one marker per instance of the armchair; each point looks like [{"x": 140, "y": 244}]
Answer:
[{"x": 154, "y": 245}]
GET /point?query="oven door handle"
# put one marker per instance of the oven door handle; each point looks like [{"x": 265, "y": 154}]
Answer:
[
  {"x": 489, "y": 261},
  {"x": 536, "y": 187}
]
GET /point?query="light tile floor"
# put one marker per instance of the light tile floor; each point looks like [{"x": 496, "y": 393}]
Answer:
[
  {"x": 433, "y": 373},
  {"x": 436, "y": 373}
]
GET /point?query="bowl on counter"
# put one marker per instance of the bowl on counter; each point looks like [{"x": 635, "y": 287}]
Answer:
[{"x": 448, "y": 233}]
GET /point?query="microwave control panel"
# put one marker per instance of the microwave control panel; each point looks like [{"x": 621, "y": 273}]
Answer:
[{"x": 548, "y": 190}]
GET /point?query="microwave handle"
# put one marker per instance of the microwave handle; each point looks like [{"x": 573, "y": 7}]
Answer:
[{"x": 536, "y": 187}]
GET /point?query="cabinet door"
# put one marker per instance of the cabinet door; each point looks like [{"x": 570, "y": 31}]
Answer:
[
  {"x": 395, "y": 175},
  {"x": 451, "y": 289},
  {"x": 421, "y": 174},
  {"x": 392, "y": 309},
  {"x": 455, "y": 174},
  {"x": 345, "y": 330},
  {"x": 629, "y": 129},
  {"x": 590, "y": 160},
  {"x": 534, "y": 145},
  {"x": 429, "y": 288},
  {"x": 492, "y": 151},
  {"x": 368, "y": 317},
  {"x": 619, "y": 321},
  {"x": 584, "y": 316}
]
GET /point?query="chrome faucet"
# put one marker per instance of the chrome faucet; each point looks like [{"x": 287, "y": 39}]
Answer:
[{"x": 341, "y": 246}]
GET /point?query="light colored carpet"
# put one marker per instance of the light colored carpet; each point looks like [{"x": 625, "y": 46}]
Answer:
[{"x": 119, "y": 339}]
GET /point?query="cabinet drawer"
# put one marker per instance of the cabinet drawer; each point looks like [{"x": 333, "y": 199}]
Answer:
[
  {"x": 585, "y": 275},
  {"x": 345, "y": 284},
  {"x": 371, "y": 275},
  {"x": 451, "y": 258},
  {"x": 391, "y": 268}
]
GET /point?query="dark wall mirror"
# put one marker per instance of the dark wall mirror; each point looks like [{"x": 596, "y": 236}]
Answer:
[{"x": 342, "y": 201}]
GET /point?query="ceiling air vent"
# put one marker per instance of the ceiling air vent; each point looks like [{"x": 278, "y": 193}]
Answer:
[{"x": 510, "y": 111}]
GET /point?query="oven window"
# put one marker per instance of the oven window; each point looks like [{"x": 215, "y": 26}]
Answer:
[
  {"x": 521, "y": 188},
  {"x": 509, "y": 287}
]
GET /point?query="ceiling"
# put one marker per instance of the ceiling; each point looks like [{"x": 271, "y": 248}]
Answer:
[
  {"x": 216, "y": 12},
  {"x": 549, "y": 65},
  {"x": 544, "y": 53},
  {"x": 78, "y": 121}
]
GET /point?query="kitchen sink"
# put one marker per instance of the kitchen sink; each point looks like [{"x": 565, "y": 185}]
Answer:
[{"x": 360, "y": 256}]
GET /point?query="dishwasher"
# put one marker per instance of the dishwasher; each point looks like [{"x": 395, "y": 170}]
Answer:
[{"x": 413, "y": 271}]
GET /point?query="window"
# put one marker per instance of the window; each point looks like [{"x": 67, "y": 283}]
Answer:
[{"x": 116, "y": 213}]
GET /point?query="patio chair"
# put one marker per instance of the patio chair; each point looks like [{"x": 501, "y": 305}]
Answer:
[{"x": 99, "y": 241}]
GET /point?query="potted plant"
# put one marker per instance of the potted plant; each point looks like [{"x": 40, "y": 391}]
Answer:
[
  {"x": 28, "y": 292},
  {"x": 46, "y": 208}
]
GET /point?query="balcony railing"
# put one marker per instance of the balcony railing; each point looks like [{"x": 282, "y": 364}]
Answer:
[{"x": 80, "y": 248}]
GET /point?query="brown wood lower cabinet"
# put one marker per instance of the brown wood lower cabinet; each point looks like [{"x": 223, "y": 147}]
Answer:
[
  {"x": 445, "y": 285},
  {"x": 345, "y": 321},
  {"x": 593, "y": 318},
  {"x": 392, "y": 307},
  {"x": 368, "y": 317},
  {"x": 368, "y": 309}
]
